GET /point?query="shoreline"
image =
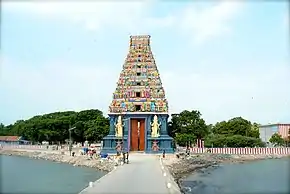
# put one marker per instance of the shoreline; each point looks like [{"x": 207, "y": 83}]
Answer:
[
  {"x": 96, "y": 163},
  {"x": 184, "y": 166}
]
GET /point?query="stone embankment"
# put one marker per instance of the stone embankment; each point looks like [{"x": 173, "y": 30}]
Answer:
[
  {"x": 57, "y": 156},
  {"x": 182, "y": 166}
]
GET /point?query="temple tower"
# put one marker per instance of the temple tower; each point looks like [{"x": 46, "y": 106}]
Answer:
[{"x": 139, "y": 110}]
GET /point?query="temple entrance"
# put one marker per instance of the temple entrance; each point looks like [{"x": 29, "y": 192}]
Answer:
[{"x": 137, "y": 139}]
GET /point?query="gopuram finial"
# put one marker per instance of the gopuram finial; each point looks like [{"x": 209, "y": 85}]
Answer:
[{"x": 140, "y": 40}]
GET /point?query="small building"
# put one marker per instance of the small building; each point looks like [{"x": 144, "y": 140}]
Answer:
[
  {"x": 266, "y": 131},
  {"x": 13, "y": 140}
]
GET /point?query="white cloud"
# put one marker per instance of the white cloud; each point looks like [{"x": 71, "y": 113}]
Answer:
[
  {"x": 55, "y": 86},
  {"x": 92, "y": 15},
  {"x": 203, "y": 24},
  {"x": 167, "y": 21},
  {"x": 223, "y": 95},
  {"x": 135, "y": 17},
  {"x": 63, "y": 85}
]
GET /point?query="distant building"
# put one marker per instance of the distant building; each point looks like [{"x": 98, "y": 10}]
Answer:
[
  {"x": 13, "y": 140},
  {"x": 266, "y": 131}
]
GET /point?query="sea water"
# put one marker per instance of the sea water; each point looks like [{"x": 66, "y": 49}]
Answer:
[
  {"x": 26, "y": 175},
  {"x": 265, "y": 176}
]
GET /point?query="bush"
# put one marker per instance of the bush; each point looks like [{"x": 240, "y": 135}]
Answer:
[
  {"x": 233, "y": 141},
  {"x": 184, "y": 139}
]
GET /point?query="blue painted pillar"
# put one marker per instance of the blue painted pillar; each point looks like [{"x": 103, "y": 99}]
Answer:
[
  {"x": 149, "y": 120},
  {"x": 163, "y": 120},
  {"x": 112, "y": 125},
  {"x": 126, "y": 125}
]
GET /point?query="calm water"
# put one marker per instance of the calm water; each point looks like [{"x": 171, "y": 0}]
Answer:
[
  {"x": 25, "y": 175},
  {"x": 267, "y": 176}
]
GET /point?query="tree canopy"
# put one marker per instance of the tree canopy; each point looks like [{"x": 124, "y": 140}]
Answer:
[
  {"x": 188, "y": 126},
  {"x": 185, "y": 127},
  {"x": 277, "y": 140},
  {"x": 89, "y": 125}
]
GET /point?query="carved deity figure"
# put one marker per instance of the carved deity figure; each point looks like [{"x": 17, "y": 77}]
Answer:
[
  {"x": 152, "y": 106},
  {"x": 119, "y": 127},
  {"x": 155, "y": 127}
]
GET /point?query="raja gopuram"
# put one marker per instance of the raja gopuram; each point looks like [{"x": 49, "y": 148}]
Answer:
[{"x": 139, "y": 110}]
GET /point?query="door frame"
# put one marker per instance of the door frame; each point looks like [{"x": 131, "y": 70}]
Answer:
[{"x": 145, "y": 131}]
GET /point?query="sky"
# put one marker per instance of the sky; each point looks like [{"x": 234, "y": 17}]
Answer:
[{"x": 223, "y": 58}]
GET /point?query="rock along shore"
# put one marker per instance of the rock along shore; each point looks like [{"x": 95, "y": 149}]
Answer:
[
  {"x": 57, "y": 156},
  {"x": 184, "y": 166}
]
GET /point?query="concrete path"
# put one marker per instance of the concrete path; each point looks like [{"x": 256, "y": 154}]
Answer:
[{"x": 142, "y": 175}]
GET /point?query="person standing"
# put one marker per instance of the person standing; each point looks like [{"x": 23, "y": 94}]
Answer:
[
  {"x": 124, "y": 157},
  {"x": 187, "y": 151},
  {"x": 127, "y": 157}
]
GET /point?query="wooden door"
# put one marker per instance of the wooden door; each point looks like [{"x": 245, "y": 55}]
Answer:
[
  {"x": 137, "y": 142},
  {"x": 142, "y": 135},
  {"x": 134, "y": 135}
]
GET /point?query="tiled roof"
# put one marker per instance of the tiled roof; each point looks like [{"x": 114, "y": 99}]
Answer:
[{"x": 10, "y": 138}]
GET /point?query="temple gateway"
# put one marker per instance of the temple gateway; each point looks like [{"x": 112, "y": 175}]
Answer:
[{"x": 139, "y": 110}]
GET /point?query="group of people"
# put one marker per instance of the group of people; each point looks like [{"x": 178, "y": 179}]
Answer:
[{"x": 88, "y": 151}]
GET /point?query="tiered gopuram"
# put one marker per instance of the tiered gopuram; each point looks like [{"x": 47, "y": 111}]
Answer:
[{"x": 139, "y": 109}]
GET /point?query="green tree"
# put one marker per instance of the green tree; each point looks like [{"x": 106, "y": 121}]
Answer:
[
  {"x": 210, "y": 129},
  {"x": 184, "y": 139},
  {"x": 173, "y": 129},
  {"x": 234, "y": 126},
  {"x": 96, "y": 129},
  {"x": 234, "y": 141},
  {"x": 288, "y": 138},
  {"x": 6, "y": 130},
  {"x": 254, "y": 131},
  {"x": 188, "y": 126},
  {"x": 53, "y": 127},
  {"x": 79, "y": 131},
  {"x": 3, "y": 130},
  {"x": 277, "y": 140},
  {"x": 2, "y": 126},
  {"x": 221, "y": 128}
]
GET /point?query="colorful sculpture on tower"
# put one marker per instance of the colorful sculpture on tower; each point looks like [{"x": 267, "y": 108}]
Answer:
[
  {"x": 155, "y": 127},
  {"x": 119, "y": 127},
  {"x": 139, "y": 82}
]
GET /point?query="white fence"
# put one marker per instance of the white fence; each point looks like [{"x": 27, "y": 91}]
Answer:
[
  {"x": 244, "y": 151},
  {"x": 40, "y": 147},
  {"x": 32, "y": 147}
]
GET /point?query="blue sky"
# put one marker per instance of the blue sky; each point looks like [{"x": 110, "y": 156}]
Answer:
[{"x": 224, "y": 58}]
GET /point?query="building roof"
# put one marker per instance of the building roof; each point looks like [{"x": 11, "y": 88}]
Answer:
[
  {"x": 10, "y": 138},
  {"x": 274, "y": 124},
  {"x": 139, "y": 88}
]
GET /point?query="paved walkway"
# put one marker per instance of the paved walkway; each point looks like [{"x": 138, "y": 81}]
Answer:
[{"x": 142, "y": 175}]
